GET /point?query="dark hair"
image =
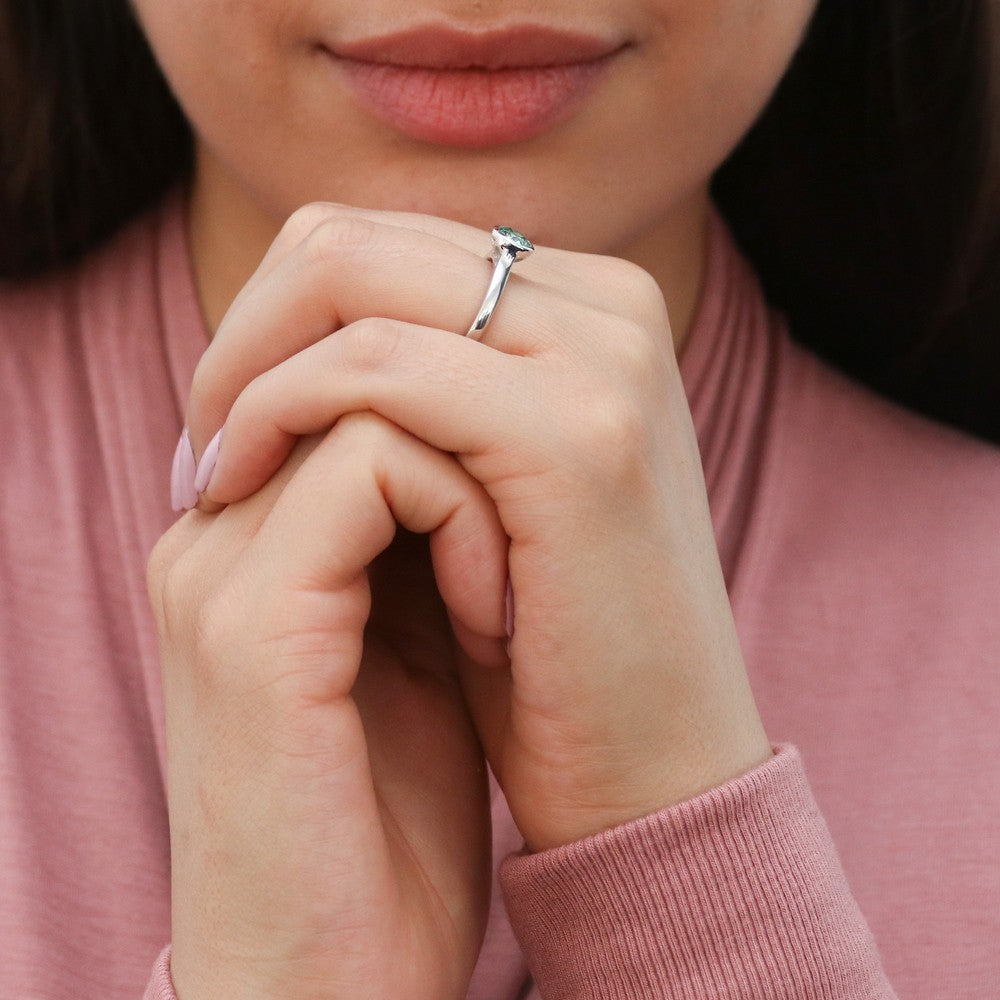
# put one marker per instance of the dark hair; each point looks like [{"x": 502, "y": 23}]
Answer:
[
  {"x": 867, "y": 195},
  {"x": 868, "y": 199},
  {"x": 89, "y": 133}
]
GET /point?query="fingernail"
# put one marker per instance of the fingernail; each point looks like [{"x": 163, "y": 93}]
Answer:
[
  {"x": 207, "y": 464},
  {"x": 508, "y": 608},
  {"x": 182, "y": 491}
]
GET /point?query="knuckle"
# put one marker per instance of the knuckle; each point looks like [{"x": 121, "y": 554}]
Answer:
[
  {"x": 157, "y": 567},
  {"x": 304, "y": 220},
  {"x": 641, "y": 294},
  {"x": 336, "y": 237},
  {"x": 169, "y": 586},
  {"x": 184, "y": 598},
  {"x": 638, "y": 282},
  {"x": 640, "y": 355},
  {"x": 369, "y": 345},
  {"x": 614, "y": 437},
  {"x": 208, "y": 627},
  {"x": 167, "y": 556},
  {"x": 214, "y": 624},
  {"x": 616, "y": 424}
]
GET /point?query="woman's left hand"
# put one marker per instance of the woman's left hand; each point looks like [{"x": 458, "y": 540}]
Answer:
[{"x": 624, "y": 690}]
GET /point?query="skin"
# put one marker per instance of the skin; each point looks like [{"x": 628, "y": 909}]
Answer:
[
  {"x": 276, "y": 130},
  {"x": 327, "y": 785}
]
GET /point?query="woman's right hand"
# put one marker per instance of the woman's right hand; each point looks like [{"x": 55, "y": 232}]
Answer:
[{"x": 328, "y": 802}]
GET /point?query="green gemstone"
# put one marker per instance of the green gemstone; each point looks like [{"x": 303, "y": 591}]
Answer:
[{"x": 505, "y": 238}]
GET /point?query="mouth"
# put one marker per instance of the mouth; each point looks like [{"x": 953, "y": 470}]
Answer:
[{"x": 457, "y": 88}]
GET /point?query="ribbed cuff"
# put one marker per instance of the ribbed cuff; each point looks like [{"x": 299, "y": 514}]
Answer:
[
  {"x": 160, "y": 985},
  {"x": 738, "y": 893}
]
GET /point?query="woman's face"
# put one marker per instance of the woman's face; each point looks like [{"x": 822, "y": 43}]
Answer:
[{"x": 600, "y": 120}]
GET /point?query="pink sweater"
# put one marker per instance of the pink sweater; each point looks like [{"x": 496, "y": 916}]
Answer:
[{"x": 862, "y": 550}]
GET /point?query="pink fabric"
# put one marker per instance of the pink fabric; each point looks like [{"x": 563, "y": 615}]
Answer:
[
  {"x": 737, "y": 893},
  {"x": 862, "y": 550}
]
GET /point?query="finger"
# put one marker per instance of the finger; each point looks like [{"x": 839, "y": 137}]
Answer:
[
  {"x": 339, "y": 511},
  {"x": 303, "y": 221},
  {"x": 454, "y": 393},
  {"x": 180, "y": 550},
  {"x": 431, "y": 385},
  {"x": 562, "y": 269},
  {"x": 347, "y": 268},
  {"x": 594, "y": 279},
  {"x": 351, "y": 266}
]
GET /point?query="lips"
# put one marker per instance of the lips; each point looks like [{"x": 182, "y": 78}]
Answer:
[{"x": 458, "y": 88}]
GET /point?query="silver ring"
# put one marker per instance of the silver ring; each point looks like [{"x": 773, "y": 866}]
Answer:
[{"x": 509, "y": 246}]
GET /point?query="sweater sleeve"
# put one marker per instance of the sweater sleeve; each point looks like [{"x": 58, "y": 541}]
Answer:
[{"x": 738, "y": 893}]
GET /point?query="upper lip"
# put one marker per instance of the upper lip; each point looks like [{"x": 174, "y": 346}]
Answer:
[{"x": 444, "y": 47}]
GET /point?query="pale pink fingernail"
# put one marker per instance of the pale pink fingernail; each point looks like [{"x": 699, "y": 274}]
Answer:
[
  {"x": 508, "y": 608},
  {"x": 182, "y": 492},
  {"x": 207, "y": 464}
]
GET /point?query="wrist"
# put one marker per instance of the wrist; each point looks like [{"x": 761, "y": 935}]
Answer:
[{"x": 638, "y": 788}]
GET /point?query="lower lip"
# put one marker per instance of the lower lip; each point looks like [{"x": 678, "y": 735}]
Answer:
[{"x": 472, "y": 107}]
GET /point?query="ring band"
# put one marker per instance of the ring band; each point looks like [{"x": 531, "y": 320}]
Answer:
[{"x": 509, "y": 246}]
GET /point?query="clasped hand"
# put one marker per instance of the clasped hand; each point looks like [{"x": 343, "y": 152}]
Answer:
[{"x": 331, "y": 692}]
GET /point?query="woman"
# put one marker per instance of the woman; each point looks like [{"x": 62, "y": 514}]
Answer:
[{"x": 328, "y": 714}]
